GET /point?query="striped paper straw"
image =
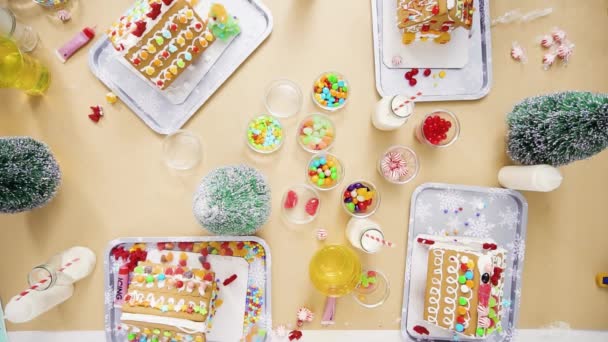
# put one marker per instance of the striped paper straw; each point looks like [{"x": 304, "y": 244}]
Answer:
[
  {"x": 45, "y": 280},
  {"x": 382, "y": 241},
  {"x": 411, "y": 99}
]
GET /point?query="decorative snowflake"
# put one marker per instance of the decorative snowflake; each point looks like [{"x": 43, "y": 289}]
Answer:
[
  {"x": 432, "y": 231},
  {"x": 496, "y": 193},
  {"x": 107, "y": 298},
  {"x": 279, "y": 333},
  {"x": 517, "y": 248},
  {"x": 408, "y": 268},
  {"x": 477, "y": 204},
  {"x": 454, "y": 222},
  {"x": 510, "y": 334},
  {"x": 517, "y": 293},
  {"x": 479, "y": 227},
  {"x": 517, "y": 276},
  {"x": 509, "y": 218},
  {"x": 506, "y": 310},
  {"x": 450, "y": 200},
  {"x": 257, "y": 274},
  {"x": 423, "y": 211},
  {"x": 116, "y": 264}
]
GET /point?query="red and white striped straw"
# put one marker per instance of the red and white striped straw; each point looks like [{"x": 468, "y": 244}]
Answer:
[
  {"x": 411, "y": 99},
  {"x": 382, "y": 241},
  {"x": 45, "y": 280}
]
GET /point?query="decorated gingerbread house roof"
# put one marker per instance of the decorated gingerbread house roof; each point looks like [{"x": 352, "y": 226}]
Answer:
[{"x": 453, "y": 13}]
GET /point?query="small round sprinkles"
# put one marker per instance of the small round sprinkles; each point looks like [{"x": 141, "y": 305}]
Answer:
[{"x": 265, "y": 134}]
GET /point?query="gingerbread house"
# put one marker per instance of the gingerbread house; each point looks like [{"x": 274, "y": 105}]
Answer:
[
  {"x": 423, "y": 20},
  {"x": 464, "y": 290}
]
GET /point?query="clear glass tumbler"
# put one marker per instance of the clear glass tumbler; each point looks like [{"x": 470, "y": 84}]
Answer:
[
  {"x": 21, "y": 71},
  {"x": 24, "y": 35},
  {"x": 182, "y": 150}
]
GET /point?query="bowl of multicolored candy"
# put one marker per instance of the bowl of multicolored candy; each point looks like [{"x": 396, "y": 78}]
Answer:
[
  {"x": 316, "y": 133},
  {"x": 330, "y": 91},
  {"x": 265, "y": 134},
  {"x": 325, "y": 171},
  {"x": 360, "y": 198},
  {"x": 300, "y": 204}
]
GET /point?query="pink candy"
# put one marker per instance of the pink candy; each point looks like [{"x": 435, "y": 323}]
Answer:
[
  {"x": 518, "y": 53},
  {"x": 558, "y": 35},
  {"x": 548, "y": 60},
  {"x": 564, "y": 51},
  {"x": 546, "y": 41}
]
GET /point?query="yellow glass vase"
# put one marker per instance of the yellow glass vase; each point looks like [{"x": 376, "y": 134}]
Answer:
[{"x": 20, "y": 71}]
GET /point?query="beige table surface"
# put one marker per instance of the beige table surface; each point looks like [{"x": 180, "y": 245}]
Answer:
[{"x": 115, "y": 185}]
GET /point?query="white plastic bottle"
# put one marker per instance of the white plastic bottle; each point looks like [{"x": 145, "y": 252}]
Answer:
[
  {"x": 357, "y": 232},
  {"x": 392, "y": 112},
  {"x": 543, "y": 178}
]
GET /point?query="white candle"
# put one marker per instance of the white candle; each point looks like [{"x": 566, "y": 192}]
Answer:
[
  {"x": 392, "y": 112},
  {"x": 543, "y": 178}
]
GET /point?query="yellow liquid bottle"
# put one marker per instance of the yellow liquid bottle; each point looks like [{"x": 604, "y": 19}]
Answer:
[{"x": 20, "y": 71}]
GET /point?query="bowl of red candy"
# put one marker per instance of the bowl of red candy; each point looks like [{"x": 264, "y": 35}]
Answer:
[{"x": 439, "y": 128}]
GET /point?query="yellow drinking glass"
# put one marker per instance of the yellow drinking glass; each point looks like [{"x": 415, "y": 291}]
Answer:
[
  {"x": 335, "y": 270},
  {"x": 20, "y": 71}
]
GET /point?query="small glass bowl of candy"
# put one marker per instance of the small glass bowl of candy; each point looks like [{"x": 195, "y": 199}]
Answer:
[
  {"x": 324, "y": 171},
  {"x": 360, "y": 198},
  {"x": 316, "y": 133},
  {"x": 398, "y": 164},
  {"x": 330, "y": 91},
  {"x": 439, "y": 128},
  {"x": 373, "y": 289},
  {"x": 300, "y": 204},
  {"x": 265, "y": 134}
]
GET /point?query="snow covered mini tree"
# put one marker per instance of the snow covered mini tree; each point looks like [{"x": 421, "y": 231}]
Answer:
[
  {"x": 233, "y": 200},
  {"x": 558, "y": 129},
  {"x": 29, "y": 174}
]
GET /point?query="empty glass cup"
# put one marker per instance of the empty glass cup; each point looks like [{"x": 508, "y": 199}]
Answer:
[
  {"x": 182, "y": 150},
  {"x": 25, "y": 36}
]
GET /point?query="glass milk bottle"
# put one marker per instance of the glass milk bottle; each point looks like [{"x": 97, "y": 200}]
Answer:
[
  {"x": 392, "y": 112},
  {"x": 364, "y": 234},
  {"x": 51, "y": 284}
]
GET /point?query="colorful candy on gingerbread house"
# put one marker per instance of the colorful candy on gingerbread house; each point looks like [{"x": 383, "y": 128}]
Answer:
[
  {"x": 421, "y": 20},
  {"x": 464, "y": 285}
]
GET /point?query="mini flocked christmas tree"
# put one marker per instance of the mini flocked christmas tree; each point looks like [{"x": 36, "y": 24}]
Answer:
[
  {"x": 29, "y": 174},
  {"x": 558, "y": 129},
  {"x": 232, "y": 200}
]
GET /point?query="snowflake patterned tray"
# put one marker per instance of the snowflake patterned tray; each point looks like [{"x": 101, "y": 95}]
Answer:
[
  {"x": 464, "y": 211},
  {"x": 166, "y": 112},
  {"x": 469, "y": 83},
  {"x": 231, "y": 255}
]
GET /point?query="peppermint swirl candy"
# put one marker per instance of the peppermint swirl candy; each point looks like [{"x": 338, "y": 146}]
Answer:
[
  {"x": 483, "y": 311},
  {"x": 483, "y": 322}
]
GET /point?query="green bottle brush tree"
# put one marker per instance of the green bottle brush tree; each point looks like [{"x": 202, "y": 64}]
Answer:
[
  {"x": 557, "y": 129},
  {"x": 29, "y": 174}
]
